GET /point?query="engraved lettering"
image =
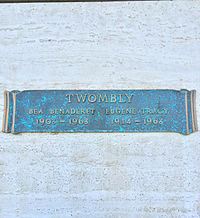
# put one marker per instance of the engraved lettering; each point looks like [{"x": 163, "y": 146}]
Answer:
[
  {"x": 128, "y": 110},
  {"x": 56, "y": 111},
  {"x": 81, "y": 98},
  {"x": 40, "y": 111},
  {"x": 67, "y": 111},
  {"x": 83, "y": 111},
  {"x": 73, "y": 111},
  {"x": 92, "y": 98},
  {"x": 69, "y": 97},
  {"x": 165, "y": 110},
  {"x": 129, "y": 97},
  {"x": 62, "y": 111},
  {"x": 101, "y": 99},
  {"x": 51, "y": 111},
  {"x": 30, "y": 111},
  {"x": 113, "y": 98},
  {"x": 93, "y": 110},
  {"x": 107, "y": 111},
  {"x": 35, "y": 111},
  {"x": 118, "y": 111},
  {"x": 120, "y": 99},
  {"x": 77, "y": 111},
  {"x": 148, "y": 111},
  {"x": 152, "y": 111}
]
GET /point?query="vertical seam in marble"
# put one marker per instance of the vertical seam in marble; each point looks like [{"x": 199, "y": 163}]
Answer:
[{"x": 14, "y": 109}]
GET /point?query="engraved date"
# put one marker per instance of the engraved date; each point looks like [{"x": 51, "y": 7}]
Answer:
[
  {"x": 43, "y": 122},
  {"x": 147, "y": 121}
]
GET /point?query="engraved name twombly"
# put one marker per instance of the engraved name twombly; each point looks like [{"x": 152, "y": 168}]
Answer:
[{"x": 100, "y": 111}]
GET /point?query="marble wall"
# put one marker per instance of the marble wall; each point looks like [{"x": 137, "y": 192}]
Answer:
[{"x": 111, "y": 45}]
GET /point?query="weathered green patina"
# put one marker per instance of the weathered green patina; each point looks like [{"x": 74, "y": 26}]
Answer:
[{"x": 100, "y": 111}]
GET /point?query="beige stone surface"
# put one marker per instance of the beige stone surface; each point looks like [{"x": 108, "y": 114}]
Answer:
[{"x": 118, "y": 45}]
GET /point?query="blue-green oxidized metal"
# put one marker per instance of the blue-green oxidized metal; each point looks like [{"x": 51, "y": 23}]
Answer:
[{"x": 100, "y": 111}]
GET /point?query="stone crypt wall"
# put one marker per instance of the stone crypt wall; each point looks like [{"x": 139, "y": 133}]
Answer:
[{"x": 111, "y": 45}]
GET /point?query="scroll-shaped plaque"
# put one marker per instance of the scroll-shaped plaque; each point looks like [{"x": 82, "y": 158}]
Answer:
[{"x": 100, "y": 111}]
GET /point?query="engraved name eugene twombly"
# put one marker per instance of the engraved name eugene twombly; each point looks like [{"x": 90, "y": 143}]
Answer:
[{"x": 100, "y": 111}]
